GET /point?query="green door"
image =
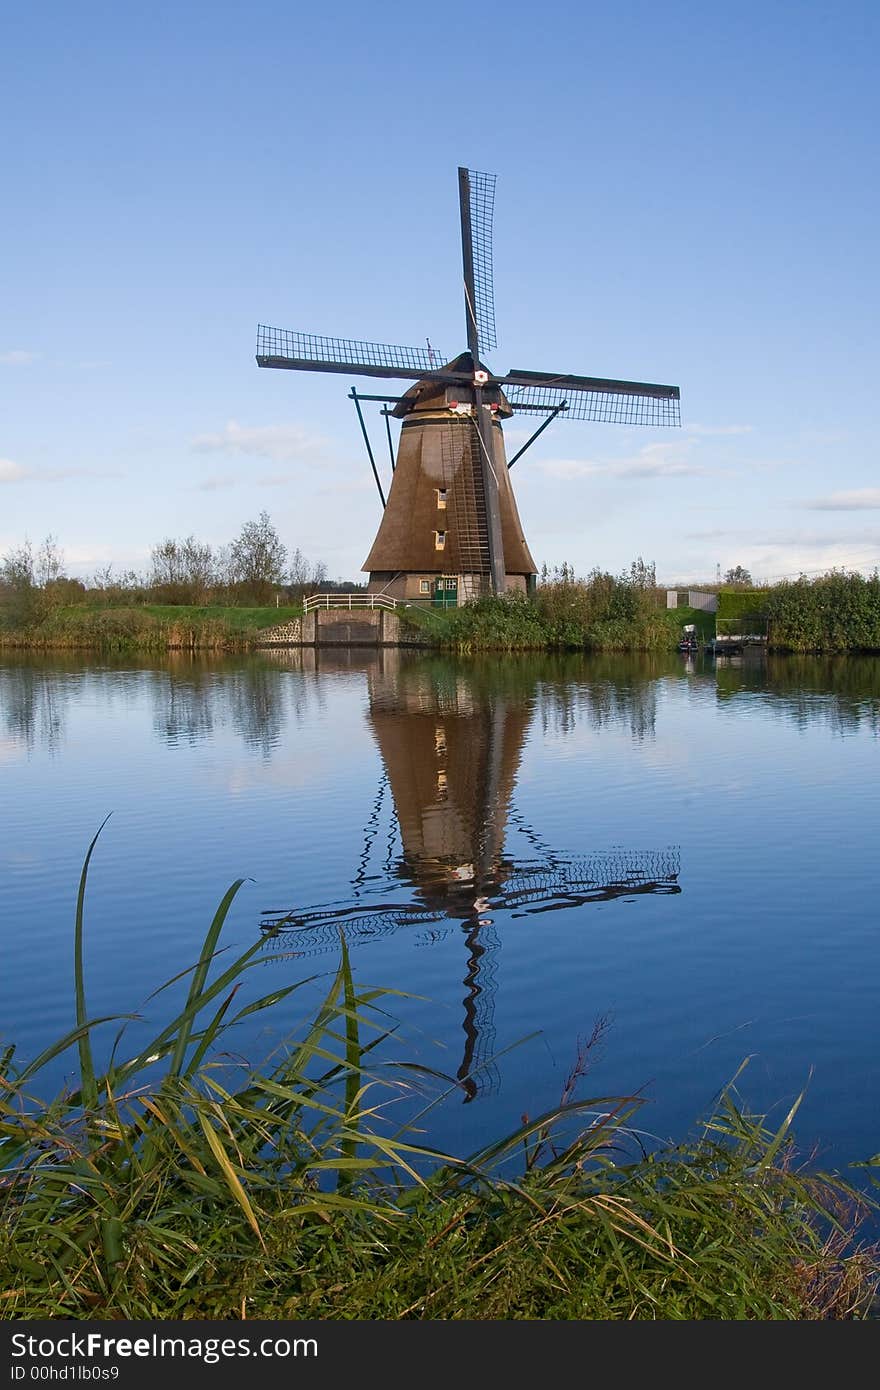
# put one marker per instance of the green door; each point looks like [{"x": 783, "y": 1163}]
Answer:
[{"x": 446, "y": 591}]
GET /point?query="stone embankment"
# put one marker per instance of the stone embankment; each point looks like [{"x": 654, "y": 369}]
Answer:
[{"x": 342, "y": 627}]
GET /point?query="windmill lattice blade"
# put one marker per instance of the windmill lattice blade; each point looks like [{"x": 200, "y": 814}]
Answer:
[
  {"x": 310, "y": 352},
  {"x": 595, "y": 878},
  {"x": 595, "y": 398},
  {"x": 482, "y": 208},
  {"x": 528, "y": 887},
  {"x": 318, "y": 929}
]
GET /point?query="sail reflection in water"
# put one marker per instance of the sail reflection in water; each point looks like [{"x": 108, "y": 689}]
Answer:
[{"x": 451, "y": 742}]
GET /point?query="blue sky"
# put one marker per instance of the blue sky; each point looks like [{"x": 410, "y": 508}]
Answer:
[{"x": 686, "y": 193}]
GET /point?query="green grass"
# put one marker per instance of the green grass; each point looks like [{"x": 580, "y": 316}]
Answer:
[
  {"x": 181, "y": 1183},
  {"x": 606, "y": 616},
  {"x": 237, "y": 619},
  {"x": 430, "y": 622},
  {"x": 146, "y": 628}
]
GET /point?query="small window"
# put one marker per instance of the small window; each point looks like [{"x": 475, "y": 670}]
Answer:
[
  {"x": 424, "y": 586},
  {"x": 441, "y": 498},
  {"x": 439, "y": 540}
]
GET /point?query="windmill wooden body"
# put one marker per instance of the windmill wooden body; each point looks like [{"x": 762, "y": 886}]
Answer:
[{"x": 450, "y": 528}]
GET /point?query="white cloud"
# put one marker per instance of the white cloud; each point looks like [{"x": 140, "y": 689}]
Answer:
[
  {"x": 218, "y": 481},
  {"x": 714, "y": 430},
  {"x": 785, "y": 555},
  {"x": 353, "y": 485},
  {"x": 282, "y": 443},
  {"x": 215, "y": 484},
  {"x": 866, "y": 499},
  {"x": 12, "y": 472},
  {"x": 17, "y": 357},
  {"x": 772, "y": 562},
  {"x": 652, "y": 461}
]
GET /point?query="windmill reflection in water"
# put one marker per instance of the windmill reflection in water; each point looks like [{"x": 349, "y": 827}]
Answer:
[{"x": 451, "y": 746}]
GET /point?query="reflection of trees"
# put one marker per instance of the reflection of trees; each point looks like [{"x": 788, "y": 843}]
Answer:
[
  {"x": 183, "y": 705},
  {"x": 605, "y": 692},
  {"x": 32, "y": 701},
  {"x": 195, "y": 696},
  {"x": 841, "y": 692},
  {"x": 192, "y": 706},
  {"x": 256, "y": 698}
]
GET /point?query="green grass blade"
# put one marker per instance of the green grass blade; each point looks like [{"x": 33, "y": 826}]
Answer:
[
  {"x": 200, "y": 974},
  {"x": 74, "y": 1036},
  {"x": 88, "y": 1083},
  {"x": 229, "y": 1173},
  {"x": 352, "y": 1064},
  {"x": 209, "y": 1034}
]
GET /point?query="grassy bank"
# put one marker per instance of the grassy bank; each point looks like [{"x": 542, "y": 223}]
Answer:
[
  {"x": 150, "y": 628},
  {"x": 829, "y": 615},
  {"x": 181, "y": 1184},
  {"x": 600, "y": 614},
  {"x": 834, "y": 614}
]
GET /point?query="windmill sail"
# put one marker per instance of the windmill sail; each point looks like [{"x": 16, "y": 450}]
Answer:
[
  {"x": 477, "y": 204},
  {"x": 312, "y": 352},
  {"x": 594, "y": 398}
]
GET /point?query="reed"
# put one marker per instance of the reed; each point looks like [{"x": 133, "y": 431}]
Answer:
[{"x": 176, "y": 1185}]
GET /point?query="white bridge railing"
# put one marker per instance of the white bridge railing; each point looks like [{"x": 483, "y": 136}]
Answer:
[{"x": 347, "y": 601}]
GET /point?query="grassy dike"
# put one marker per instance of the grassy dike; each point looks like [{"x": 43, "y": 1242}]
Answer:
[
  {"x": 150, "y": 628},
  {"x": 179, "y": 1184}
]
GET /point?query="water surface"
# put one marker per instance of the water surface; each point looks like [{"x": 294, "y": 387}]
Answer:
[{"x": 523, "y": 846}]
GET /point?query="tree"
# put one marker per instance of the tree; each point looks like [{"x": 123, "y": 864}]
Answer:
[
  {"x": 182, "y": 571},
  {"x": 18, "y": 588},
  {"x": 560, "y": 574},
  {"x": 304, "y": 575},
  {"x": 738, "y": 576},
  {"x": 125, "y": 587},
  {"x": 258, "y": 556},
  {"x": 300, "y": 570},
  {"x": 49, "y": 563},
  {"x": 17, "y": 568},
  {"x": 641, "y": 574},
  {"x": 166, "y": 564},
  {"x": 197, "y": 560}
]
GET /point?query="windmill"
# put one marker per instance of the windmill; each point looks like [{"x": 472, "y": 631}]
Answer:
[
  {"x": 451, "y": 749},
  {"x": 450, "y": 527}
]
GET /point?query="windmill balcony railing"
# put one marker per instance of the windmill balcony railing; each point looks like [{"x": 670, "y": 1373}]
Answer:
[{"x": 350, "y": 601}]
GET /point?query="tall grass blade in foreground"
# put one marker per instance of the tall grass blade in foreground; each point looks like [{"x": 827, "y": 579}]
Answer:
[{"x": 84, "y": 1043}]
